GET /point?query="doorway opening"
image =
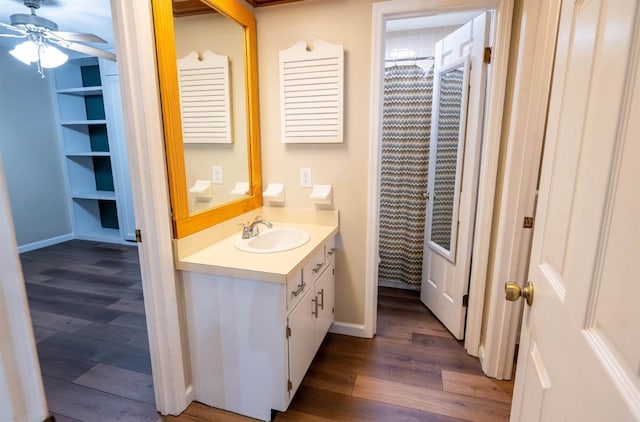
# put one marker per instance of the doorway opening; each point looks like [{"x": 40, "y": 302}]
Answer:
[
  {"x": 406, "y": 131},
  {"x": 85, "y": 295},
  {"x": 489, "y": 127},
  {"x": 432, "y": 124}
]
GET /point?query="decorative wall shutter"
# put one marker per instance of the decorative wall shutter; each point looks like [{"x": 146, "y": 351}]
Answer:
[
  {"x": 311, "y": 93},
  {"x": 204, "y": 98}
]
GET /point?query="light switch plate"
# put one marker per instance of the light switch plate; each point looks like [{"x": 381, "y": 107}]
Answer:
[
  {"x": 216, "y": 174},
  {"x": 305, "y": 177}
]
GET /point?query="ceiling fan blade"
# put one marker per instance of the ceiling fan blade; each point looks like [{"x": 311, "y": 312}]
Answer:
[
  {"x": 12, "y": 35},
  {"x": 13, "y": 28},
  {"x": 91, "y": 51},
  {"x": 78, "y": 36},
  {"x": 47, "y": 3}
]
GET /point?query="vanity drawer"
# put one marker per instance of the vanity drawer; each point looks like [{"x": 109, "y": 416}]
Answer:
[
  {"x": 330, "y": 251},
  {"x": 314, "y": 267},
  {"x": 303, "y": 280},
  {"x": 295, "y": 289}
]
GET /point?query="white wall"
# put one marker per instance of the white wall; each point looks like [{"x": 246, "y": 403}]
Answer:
[
  {"x": 417, "y": 42},
  {"x": 29, "y": 150}
]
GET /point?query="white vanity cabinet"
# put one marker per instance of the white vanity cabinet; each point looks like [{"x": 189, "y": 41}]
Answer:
[
  {"x": 308, "y": 323},
  {"x": 252, "y": 341}
]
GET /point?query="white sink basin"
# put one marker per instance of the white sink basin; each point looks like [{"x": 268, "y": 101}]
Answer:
[{"x": 274, "y": 240}]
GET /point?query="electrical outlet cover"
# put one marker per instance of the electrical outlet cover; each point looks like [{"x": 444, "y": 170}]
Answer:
[
  {"x": 305, "y": 177},
  {"x": 216, "y": 174}
]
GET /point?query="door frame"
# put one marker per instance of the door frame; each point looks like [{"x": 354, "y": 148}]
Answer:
[
  {"x": 133, "y": 21},
  {"x": 496, "y": 86},
  {"x": 516, "y": 195}
]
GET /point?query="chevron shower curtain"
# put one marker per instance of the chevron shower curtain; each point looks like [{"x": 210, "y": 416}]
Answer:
[{"x": 406, "y": 126}]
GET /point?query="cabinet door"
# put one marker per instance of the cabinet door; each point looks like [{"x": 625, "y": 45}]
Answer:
[
  {"x": 325, "y": 294},
  {"x": 302, "y": 341}
]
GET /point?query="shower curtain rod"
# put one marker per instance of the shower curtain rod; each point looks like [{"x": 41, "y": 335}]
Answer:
[{"x": 408, "y": 59}]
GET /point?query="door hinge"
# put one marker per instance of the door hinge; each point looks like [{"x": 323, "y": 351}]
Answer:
[
  {"x": 333, "y": 310},
  {"x": 528, "y": 222},
  {"x": 465, "y": 301},
  {"x": 289, "y": 385},
  {"x": 487, "y": 55},
  {"x": 138, "y": 236},
  {"x": 288, "y": 331}
]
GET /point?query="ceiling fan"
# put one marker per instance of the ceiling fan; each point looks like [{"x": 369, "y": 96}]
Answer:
[{"x": 42, "y": 34}]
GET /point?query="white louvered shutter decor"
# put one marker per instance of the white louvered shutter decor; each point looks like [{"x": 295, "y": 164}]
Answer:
[
  {"x": 204, "y": 98},
  {"x": 311, "y": 93}
]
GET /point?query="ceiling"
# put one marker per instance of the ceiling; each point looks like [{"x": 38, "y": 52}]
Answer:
[
  {"x": 195, "y": 7},
  {"x": 446, "y": 19},
  {"x": 93, "y": 16}
]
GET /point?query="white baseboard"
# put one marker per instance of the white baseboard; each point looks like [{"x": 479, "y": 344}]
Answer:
[
  {"x": 189, "y": 395},
  {"x": 349, "y": 329},
  {"x": 43, "y": 243},
  {"x": 483, "y": 362}
]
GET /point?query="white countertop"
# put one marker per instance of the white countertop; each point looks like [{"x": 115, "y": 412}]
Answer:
[{"x": 224, "y": 259}]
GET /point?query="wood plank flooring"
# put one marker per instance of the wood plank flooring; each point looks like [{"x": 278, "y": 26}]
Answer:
[
  {"x": 88, "y": 316},
  {"x": 88, "y": 319}
]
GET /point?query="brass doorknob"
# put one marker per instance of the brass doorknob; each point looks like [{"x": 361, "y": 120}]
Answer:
[{"x": 513, "y": 292}]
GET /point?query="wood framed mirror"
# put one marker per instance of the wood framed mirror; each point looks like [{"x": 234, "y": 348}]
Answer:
[{"x": 187, "y": 162}]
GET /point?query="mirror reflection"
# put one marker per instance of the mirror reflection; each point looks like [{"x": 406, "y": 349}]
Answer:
[
  {"x": 209, "y": 28},
  {"x": 449, "y": 143},
  {"x": 215, "y": 162}
]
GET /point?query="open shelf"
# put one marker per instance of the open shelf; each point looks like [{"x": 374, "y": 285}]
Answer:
[
  {"x": 87, "y": 152},
  {"x": 81, "y": 91},
  {"x": 96, "y": 194},
  {"x": 83, "y": 122}
]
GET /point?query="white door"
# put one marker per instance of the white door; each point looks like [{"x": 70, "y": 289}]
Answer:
[
  {"x": 579, "y": 356},
  {"x": 460, "y": 76}
]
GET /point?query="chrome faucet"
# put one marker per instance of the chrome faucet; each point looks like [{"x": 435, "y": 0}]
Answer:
[{"x": 250, "y": 230}]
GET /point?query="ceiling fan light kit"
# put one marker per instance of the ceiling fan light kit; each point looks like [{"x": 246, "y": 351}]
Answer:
[
  {"x": 42, "y": 34},
  {"x": 47, "y": 56}
]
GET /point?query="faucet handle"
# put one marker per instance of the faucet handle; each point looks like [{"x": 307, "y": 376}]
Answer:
[{"x": 246, "y": 230}]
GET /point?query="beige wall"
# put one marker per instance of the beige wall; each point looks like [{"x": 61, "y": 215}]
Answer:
[{"x": 345, "y": 166}]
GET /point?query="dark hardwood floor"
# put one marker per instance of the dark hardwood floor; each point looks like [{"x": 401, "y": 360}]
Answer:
[{"x": 88, "y": 317}]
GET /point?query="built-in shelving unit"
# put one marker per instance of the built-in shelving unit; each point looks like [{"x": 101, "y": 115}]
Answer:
[{"x": 92, "y": 151}]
